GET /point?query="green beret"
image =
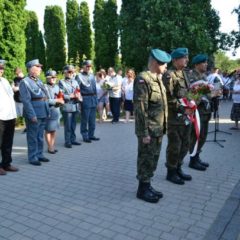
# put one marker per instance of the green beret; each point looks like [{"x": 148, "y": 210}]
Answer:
[
  {"x": 160, "y": 56},
  {"x": 179, "y": 53},
  {"x": 200, "y": 58}
]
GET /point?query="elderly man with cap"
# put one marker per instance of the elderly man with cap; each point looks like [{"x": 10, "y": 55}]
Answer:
[
  {"x": 150, "y": 105},
  {"x": 204, "y": 109},
  {"x": 7, "y": 123},
  {"x": 55, "y": 99},
  {"x": 177, "y": 85},
  {"x": 35, "y": 111},
  {"x": 87, "y": 83},
  {"x": 70, "y": 109}
]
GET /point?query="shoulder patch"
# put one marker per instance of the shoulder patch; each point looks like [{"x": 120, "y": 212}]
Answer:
[{"x": 141, "y": 80}]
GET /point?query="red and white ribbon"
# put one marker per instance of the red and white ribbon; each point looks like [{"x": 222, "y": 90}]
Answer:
[{"x": 194, "y": 119}]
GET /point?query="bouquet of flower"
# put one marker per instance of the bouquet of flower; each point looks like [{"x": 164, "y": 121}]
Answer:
[
  {"x": 106, "y": 86},
  {"x": 199, "y": 91}
]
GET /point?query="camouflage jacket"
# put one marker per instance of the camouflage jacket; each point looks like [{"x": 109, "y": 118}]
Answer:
[
  {"x": 204, "y": 107},
  {"x": 177, "y": 85},
  {"x": 150, "y": 105}
]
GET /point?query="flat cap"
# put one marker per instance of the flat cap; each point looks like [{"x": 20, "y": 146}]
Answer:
[
  {"x": 68, "y": 68},
  {"x": 51, "y": 73},
  {"x": 2, "y": 63},
  {"x": 160, "y": 56},
  {"x": 200, "y": 58},
  {"x": 33, "y": 63},
  {"x": 179, "y": 53},
  {"x": 87, "y": 63}
]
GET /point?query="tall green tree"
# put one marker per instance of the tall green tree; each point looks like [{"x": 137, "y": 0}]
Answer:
[
  {"x": 236, "y": 34},
  {"x": 85, "y": 40},
  {"x": 41, "y": 50},
  {"x": 106, "y": 33},
  {"x": 111, "y": 32},
  {"x": 13, "y": 44},
  {"x": 32, "y": 36},
  {"x": 166, "y": 25},
  {"x": 73, "y": 32},
  {"x": 100, "y": 40},
  {"x": 55, "y": 34}
]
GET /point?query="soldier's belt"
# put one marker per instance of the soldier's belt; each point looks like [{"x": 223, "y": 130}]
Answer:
[
  {"x": 39, "y": 99},
  {"x": 88, "y": 94}
]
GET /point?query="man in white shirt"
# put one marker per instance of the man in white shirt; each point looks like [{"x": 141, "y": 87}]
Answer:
[
  {"x": 7, "y": 123},
  {"x": 115, "y": 81}
]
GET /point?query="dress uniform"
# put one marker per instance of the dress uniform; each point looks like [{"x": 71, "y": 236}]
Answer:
[
  {"x": 87, "y": 84},
  {"x": 35, "y": 111},
  {"x": 150, "y": 105},
  {"x": 70, "y": 109},
  {"x": 177, "y": 86},
  {"x": 204, "y": 109}
]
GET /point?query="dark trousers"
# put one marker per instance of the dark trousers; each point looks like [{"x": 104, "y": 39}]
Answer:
[
  {"x": 115, "y": 108},
  {"x": 88, "y": 122},
  {"x": 178, "y": 144},
  {"x": 70, "y": 122},
  {"x": 6, "y": 141}
]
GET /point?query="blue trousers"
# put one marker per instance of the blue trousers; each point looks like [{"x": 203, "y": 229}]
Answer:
[
  {"x": 35, "y": 132},
  {"x": 70, "y": 122},
  {"x": 88, "y": 122}
]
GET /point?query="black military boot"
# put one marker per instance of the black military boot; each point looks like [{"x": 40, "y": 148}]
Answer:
[
  {"x": 144, "y": 192},
  {"x": 195, "y": 164},
  {"x": 158, "y": 193},
  {"x": 173, "y": 177},
  {"x": 183, "y": 175},
  {"x": 205, "y": 164}
]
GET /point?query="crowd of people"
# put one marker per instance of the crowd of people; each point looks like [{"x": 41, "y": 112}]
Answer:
[{"x": 177, "y": 101}]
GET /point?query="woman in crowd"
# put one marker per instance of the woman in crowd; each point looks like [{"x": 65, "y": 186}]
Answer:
[
  {"x": 102, "y": 94},
  {"x": 127, "y": 89},
  {"x": 235, "y": 113},
  {"x": 55, "y": 99}
]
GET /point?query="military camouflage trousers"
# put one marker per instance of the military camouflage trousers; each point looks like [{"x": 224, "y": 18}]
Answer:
[
  {"x": 147, "y": 159},
  {"x": 178, "y": 144},
  {"x": 203, "y": 133}
]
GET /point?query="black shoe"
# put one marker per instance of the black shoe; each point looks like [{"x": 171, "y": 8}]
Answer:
[
  {"x": 194, "y": 163},
  {"x": 87, "y": 140},
  {"x": 94, "y": 139},
  {"x": 183, "y": 175},
  {"x": 68, "y": 145},
  {"x": 76, "y": 143},
  {"x": 173, "y": 177},
  {"x": 144, "y": 193},
  {"x": 55, "y": 150},
  {"x": 205, "y": 164},
  {"x": 35, "y": 163},
  {"x": 51, "y": 152},
  {"x": 158, "y": 193},
  {"x": 43, "y": 159}
]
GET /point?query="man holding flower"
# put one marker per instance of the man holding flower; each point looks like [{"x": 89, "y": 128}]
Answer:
[{"x": 201, "y": 91}]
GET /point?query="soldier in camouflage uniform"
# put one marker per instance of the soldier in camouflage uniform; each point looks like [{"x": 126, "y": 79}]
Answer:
[
  {"x": 150, "y": 105},
  {"x": 177, "y": 85},
  {"x": 204, "y": 109}
]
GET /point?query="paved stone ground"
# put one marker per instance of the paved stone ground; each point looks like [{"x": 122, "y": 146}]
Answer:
[{"x": 88, "y": 192}]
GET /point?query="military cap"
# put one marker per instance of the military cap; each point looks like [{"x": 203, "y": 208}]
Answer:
[
  {"x": 68, "y": 68},
  {"x": 33, "y": 63},
  {"x": 160, "y": 56},
  {"x": 51, "y": 73},
  {"x": 200, "y": 58},
  {"x": 179, "y": 53},
  {"x": 87, "y": 63}
]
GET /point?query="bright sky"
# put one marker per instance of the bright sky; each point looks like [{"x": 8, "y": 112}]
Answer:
[{"x": 228, "y": 20}]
